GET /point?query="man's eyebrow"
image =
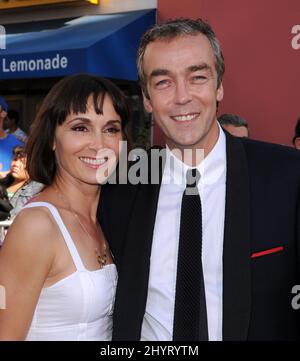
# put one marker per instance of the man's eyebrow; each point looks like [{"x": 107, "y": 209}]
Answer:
[
  {"x": 191, "y": 69},
  {"x": 195, "y": 68},
  {"x": 159, "y": 72}
]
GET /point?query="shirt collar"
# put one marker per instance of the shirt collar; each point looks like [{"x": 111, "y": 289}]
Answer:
[{"x": 212, "y": 168}]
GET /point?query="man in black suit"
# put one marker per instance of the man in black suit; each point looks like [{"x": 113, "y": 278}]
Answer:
[{"x": 250, "y": 198}]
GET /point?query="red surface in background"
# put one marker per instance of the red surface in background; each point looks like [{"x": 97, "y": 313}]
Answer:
[{"x": 262, "y": 78}]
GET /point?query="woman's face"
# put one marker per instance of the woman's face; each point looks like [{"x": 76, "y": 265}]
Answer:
[
  {"x": 87, "y": 145},
  {"x": 17, "y": 168}
]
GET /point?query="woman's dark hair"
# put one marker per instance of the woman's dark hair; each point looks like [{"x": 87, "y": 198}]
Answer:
[{"x": 69, "y": 95}]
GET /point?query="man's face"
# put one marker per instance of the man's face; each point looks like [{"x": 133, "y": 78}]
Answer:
[
  {"x": 241, "y": 131},
  {"x": 182, "y": 86}
]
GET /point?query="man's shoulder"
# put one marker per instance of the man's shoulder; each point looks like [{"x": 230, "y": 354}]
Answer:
[
  {"x": 267, "y": 150},
  {"x": 125, "y": 184},
  {"x": 118, "y": 189},
  {"x": 272, "y": 159}
]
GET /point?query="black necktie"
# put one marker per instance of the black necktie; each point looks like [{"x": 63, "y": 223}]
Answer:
[{"x": 190, "y": 319}]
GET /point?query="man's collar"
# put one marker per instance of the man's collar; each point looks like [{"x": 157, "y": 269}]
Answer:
[{"x": 212, "y": 168}]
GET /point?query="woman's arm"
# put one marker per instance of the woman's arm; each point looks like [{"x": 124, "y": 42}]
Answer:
[{"x": 25, "y": 261}]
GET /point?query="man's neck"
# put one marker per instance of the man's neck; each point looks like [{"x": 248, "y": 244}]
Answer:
[{"x": 194, "y": 155}]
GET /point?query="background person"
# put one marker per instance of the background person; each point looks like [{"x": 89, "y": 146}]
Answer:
[
  {"x": 19, "y": 187},
  {"x": 296, "y": 138},
  {"x": 234, "y": 124},
  {"x": 5, "y": 206},
  {"x": 12, "y": 126},
  {"x": 7, "y": 141},
  {"x": 62, "y": 285},
  {"x": 18, "y": 175}
]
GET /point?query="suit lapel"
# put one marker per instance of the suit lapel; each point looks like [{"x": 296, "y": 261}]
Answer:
[
  {"x": 236, "y": 252},
  {"x": 132, "y": 287}
]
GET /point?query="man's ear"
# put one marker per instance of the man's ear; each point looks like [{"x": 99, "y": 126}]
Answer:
[
  {"x": 220, "y": 93},
  {"x": 297, "y": 143},
  {"x": 147, "y": 103}
]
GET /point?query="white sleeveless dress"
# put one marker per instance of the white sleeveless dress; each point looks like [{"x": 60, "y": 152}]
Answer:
[{"x": 78, "y": 307}]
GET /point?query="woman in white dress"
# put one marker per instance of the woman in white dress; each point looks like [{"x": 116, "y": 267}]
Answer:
[{"x": 55, "y": 265}]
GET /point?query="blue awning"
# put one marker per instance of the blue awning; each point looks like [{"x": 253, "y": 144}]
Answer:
[{"x": 100, "y": 44}]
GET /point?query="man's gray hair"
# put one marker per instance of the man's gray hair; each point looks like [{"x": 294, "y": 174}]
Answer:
[{"x": 172, "y": 29}]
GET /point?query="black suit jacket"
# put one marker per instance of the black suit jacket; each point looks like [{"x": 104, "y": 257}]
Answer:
[{"x": 260, "y": 250}]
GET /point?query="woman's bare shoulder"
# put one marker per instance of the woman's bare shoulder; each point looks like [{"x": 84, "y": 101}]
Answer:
[
  {"x": 33, "y": 228},
  {"x": 36, "y": 219}
]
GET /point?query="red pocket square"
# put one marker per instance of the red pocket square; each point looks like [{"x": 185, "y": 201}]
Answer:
[{"x": 267, "y": 251}]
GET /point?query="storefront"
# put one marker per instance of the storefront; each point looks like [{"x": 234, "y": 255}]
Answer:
[
  {"x": 38, "y": 54},
  {"x": 101, "y": 44}
]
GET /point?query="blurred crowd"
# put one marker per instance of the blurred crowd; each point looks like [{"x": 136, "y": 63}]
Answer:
[{"x": 15, "y": 186}]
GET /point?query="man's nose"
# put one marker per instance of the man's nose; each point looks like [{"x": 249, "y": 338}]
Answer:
[{"x": 182, "y": 95}]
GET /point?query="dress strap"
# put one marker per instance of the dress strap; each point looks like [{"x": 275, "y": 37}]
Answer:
[{"x": 67, "y": 237}]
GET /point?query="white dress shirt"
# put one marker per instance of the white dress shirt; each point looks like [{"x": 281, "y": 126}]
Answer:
[{"x": 159, "y": 315}]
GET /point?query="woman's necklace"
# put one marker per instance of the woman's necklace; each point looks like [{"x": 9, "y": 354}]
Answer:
[{"x": 101, "y": 257}]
